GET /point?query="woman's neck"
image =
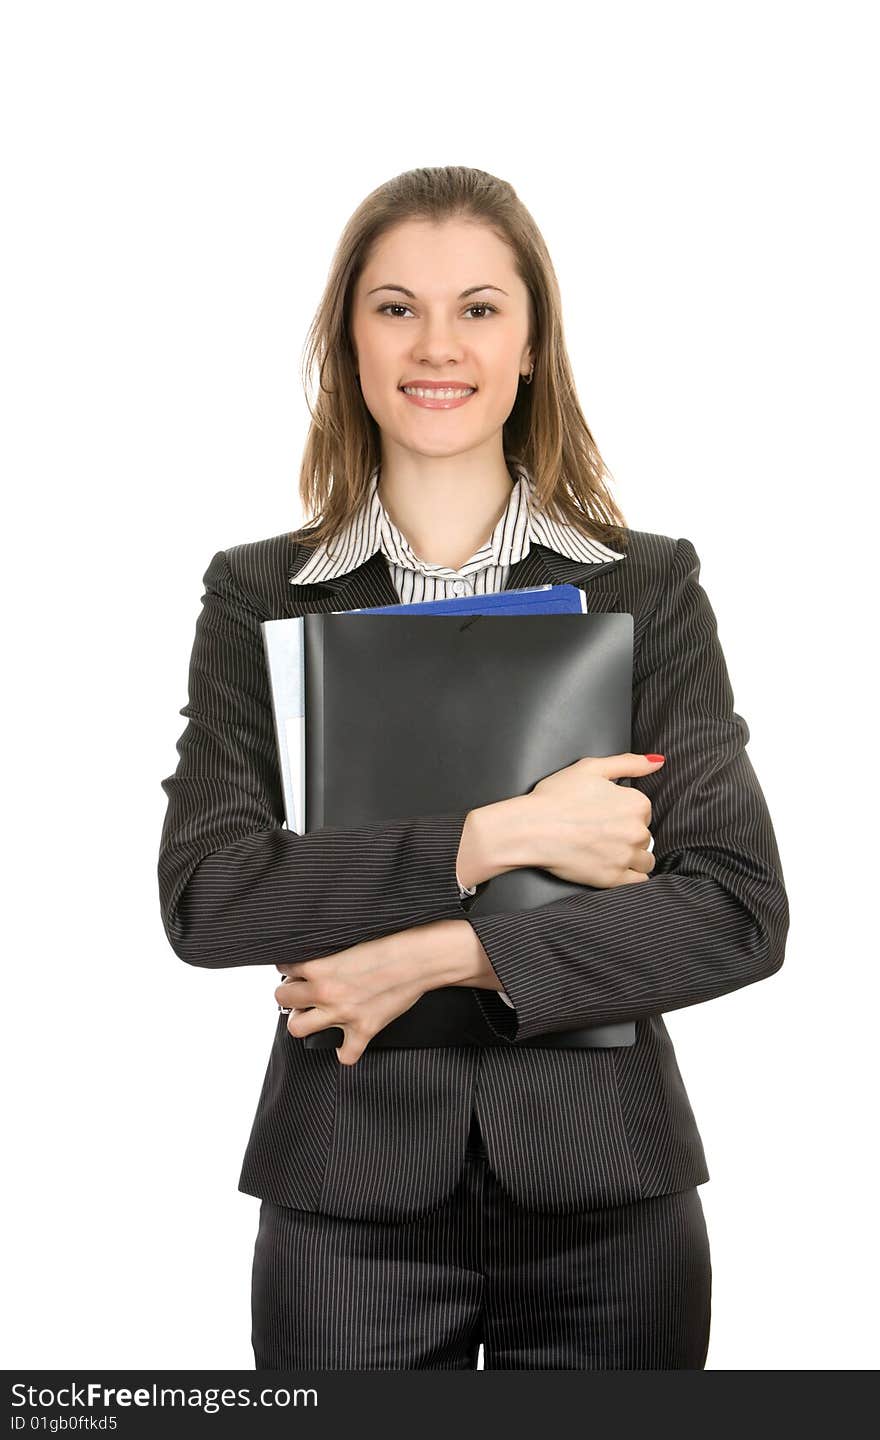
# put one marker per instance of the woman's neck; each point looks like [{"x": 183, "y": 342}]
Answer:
[{"x": 445, "y": 520}]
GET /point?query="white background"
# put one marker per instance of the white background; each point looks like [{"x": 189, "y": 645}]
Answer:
[{"x": 176, "y": 177}]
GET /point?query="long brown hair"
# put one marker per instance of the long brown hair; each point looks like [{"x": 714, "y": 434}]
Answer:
[{"x": 546, "y": 430}]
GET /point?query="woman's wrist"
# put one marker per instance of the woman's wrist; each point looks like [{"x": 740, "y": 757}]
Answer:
[
  {"x": 454, "y": 955},
  {"x": 496, "y": 838}
]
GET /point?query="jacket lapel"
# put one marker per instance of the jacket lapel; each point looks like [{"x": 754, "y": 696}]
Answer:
[
  {"x": 367, "y": 585},
  {"x": 542, "y": 566}
]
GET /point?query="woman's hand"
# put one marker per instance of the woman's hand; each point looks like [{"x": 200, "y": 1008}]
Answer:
[
  {"x": 365, "y": 987},
  {"x": 589, "y": 830}
]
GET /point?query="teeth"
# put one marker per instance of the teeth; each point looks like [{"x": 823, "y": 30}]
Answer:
[{"x": 436, "y": 394}]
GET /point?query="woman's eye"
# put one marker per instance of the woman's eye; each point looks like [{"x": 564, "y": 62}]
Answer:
[{"x": 477, "y": 305}]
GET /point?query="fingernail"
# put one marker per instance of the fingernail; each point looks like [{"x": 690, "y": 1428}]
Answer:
[{"x": 655, "y": 757}]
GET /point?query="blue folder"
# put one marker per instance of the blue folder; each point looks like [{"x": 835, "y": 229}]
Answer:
[{"x": 535, "y": 599}]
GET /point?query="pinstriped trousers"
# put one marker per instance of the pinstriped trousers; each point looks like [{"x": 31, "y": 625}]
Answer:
[{"x": 623, "y": 1288}]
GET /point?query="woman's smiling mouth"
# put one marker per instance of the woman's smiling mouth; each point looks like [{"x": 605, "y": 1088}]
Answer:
[{"x": 438, "y": 397}]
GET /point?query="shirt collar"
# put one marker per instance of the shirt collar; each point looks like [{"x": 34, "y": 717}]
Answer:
[{"x": 521, "y": 525}]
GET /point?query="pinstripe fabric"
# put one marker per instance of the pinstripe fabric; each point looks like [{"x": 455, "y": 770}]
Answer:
[
  {"x": 626, "y": 1288},
  {"x": 565, "y": 1130}
]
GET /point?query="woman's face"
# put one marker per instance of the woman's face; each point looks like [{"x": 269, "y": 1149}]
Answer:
[{"x": 438, "y": 333}]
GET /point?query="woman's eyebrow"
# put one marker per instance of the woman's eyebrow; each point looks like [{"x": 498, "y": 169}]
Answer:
[{"x": 472, "y": 290}]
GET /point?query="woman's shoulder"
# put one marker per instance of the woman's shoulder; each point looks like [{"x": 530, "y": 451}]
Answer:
[
  {"x": 260, "y": 569},
  {"x": 657, "y": 569},
  {"x": 649, "y": 544},
  {"x": 650, "y": 555}
]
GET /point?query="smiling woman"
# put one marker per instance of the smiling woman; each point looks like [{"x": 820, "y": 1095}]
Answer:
[{"x": 416, "y": 1201}]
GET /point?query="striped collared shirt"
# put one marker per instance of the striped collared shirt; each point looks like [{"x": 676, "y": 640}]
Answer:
[
  {"x": 522, "y": 523},
  {"x": 371, "y": 528}
]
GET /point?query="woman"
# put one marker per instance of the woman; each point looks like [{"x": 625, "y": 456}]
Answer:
[{"x": 417, "y": 1203}]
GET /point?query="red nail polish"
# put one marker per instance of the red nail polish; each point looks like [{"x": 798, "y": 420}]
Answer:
[{"x": 655, "y": 757}]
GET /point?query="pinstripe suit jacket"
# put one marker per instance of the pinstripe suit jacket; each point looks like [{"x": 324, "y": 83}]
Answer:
[{"x": 564, "y": 1129}]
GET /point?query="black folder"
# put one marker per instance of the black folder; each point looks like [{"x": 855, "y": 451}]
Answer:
[{"x": 427, "y": 714}]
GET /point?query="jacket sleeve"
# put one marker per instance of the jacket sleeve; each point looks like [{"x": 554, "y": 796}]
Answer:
[
  {"x": 235, "y": 888},
  {"x": 713, "y": 914}
]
